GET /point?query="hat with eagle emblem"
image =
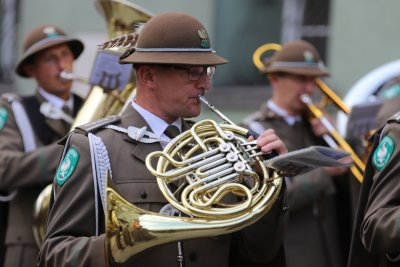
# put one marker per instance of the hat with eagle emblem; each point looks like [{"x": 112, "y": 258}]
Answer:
[
  {"x": 173, "y": 38},
  {"x": 296, "y": 57}
]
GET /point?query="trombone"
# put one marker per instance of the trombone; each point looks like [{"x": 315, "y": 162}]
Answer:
[{"x": 333, "y": 139}]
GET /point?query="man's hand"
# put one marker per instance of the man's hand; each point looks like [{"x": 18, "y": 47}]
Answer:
[{"x": 269, "y": 141}]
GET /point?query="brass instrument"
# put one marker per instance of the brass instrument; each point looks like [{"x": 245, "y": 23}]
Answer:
[
  {"x": 334, "y": 139},
  {"x": 208, "y": 174},
  {"x": 121, "y": 17}
]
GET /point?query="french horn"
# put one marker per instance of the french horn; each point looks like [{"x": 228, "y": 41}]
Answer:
[
  {"x": 121, "y": 17},
  {"x": 211, "y": 175}
]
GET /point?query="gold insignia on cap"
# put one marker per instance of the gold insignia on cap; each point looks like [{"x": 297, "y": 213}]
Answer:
[
  {"x": 50, "y": 31},
  {"x": 205, "y": 43},
  {"x": 308, "y": 57}
]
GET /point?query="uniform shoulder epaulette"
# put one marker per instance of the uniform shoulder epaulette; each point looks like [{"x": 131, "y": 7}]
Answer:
[
  {"x": 394, "y": 118},
  {"x": 95, "y": 125},
  {"x": 10, "y": 97},
  {"x": 91, "y": 127}
]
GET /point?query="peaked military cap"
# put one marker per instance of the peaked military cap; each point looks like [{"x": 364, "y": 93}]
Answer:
[
  {"x": 42, "y": 38},
  {"x": 297, "y": 57},
  {"x": 173, "y": 38}
]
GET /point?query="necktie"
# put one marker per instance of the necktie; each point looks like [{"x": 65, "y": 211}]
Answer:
[
  {"x": 172, "y": 131},
  {"x": 66, "y": 109}
]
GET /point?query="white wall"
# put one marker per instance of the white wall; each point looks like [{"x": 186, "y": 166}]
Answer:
[{"x": 364, "y": 35}]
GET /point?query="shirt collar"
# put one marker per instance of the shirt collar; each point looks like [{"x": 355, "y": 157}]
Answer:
[
  {"x": 157, "y": 124},
  {"x": 290, "y": 119},
  {"x": 55, "y": 100}
]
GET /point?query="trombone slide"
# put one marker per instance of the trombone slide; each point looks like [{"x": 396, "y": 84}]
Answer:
[{"x": 334, "y": 139}]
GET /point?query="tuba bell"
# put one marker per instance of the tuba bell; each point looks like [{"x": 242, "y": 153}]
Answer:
[
  {"x": 211, "y": 175},
  {"x": 121, "y": 17}
]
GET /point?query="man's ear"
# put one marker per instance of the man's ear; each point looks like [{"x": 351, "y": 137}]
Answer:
[{"x": 146, "y": 75}]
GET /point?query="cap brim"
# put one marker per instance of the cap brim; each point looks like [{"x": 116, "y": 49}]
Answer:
[
  {"x": 184, "y": 58},
  {"x": 298, "y": 71},
  {"x": 76, "y": 46}
]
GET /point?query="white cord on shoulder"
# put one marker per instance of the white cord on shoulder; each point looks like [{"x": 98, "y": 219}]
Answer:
[
  {"x": 24, "y": 125},
  {"x": 100, "y": 165},
  {"x": 28, "y": 138}
]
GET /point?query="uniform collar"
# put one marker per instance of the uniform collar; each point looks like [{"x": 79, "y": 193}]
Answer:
[
  {"x": 55, "y": 100},
  {"x": 290, "y": 119},
  {"x": 157, "y": 124}
]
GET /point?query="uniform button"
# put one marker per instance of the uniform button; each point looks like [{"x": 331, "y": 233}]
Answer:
[
  {"x": 192, "y": 256},
  {"x": 284, "y": 209},
  {"x": 143, "y": 194}
]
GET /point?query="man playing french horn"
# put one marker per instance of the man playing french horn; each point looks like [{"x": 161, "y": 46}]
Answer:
[{"x": 174, "y": 64}]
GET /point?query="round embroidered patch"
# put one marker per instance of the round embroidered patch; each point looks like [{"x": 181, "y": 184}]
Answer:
[
  {"x": 67, "y": 166},
  {"x": 383, "y": 153},
  {"x": 3, "y": 117}
]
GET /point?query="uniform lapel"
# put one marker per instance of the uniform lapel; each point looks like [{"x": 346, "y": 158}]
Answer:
[
  {"x": 58, "y": 126},
  {"x": 131, "y": 117}
]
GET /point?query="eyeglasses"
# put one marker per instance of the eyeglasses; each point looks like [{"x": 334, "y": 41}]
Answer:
[{"x": 196, "y": 72}]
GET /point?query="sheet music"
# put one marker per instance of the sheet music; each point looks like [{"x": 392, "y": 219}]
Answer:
[{"x": 307, "y": 159}]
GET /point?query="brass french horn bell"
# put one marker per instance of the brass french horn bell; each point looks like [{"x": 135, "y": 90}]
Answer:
[{"x": 334, "y": 139}]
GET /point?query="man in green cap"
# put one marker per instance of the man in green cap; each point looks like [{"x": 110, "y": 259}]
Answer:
[
  {"x": 313, "y": 235},
  {"x": 174, "y": 64},
  {"x": 376, "y": 236},
  {"x": 30, "y": 126}
]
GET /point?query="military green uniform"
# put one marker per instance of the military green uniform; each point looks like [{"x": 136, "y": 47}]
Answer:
[
  {"x": 27, "y": 173},
  {"x": 312, "y": 237},
  {"x": 72, "y": 238},
  {"x": 376, "y": 236},
  {"x": 389, "y": 107}
]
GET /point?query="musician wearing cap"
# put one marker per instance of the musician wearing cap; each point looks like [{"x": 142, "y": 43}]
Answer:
[
  {"x": 313, "y": 237},
  {"x": 29, "y": 153},
  {"x": 174, "y": 64}
]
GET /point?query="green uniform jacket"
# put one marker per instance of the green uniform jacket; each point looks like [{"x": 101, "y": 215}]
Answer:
[
  {"x": 71, "y": 238},
  {"x": 376, "y": 236},
  {"x": 28, "y": 173},
  {"x": 312, "y": 238}
]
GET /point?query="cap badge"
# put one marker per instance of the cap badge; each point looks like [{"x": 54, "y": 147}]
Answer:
[
  {"x": 205, "y": 42},
  {"x": 308, "y": 57},
  {"x": 50, "y": 32}
]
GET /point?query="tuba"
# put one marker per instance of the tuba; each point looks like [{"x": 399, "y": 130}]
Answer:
[
  {"x": 333, "y": 139},
  {"x": 211, "y": 175},
  {"x": 121, "y": 17}
]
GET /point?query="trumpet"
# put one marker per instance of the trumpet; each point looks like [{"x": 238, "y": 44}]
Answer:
[
  {"x": 68, "y": 76},
  {"x": 333, "y": 139}
]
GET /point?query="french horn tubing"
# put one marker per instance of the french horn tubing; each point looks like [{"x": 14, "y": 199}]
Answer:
[
  {"x": 334, "y": 139},
  {"x": 211, "y": 175},
  {"x": 121, "y": 17}
]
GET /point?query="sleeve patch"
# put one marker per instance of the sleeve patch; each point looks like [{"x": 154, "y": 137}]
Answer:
[
  {"x": 3, "y": 117},
  {"x": 383, "y": 153},
  {"x": 67, "y": 166}
]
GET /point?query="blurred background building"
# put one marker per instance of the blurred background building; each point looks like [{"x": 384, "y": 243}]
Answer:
[{"x": 353, "y": 36}]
